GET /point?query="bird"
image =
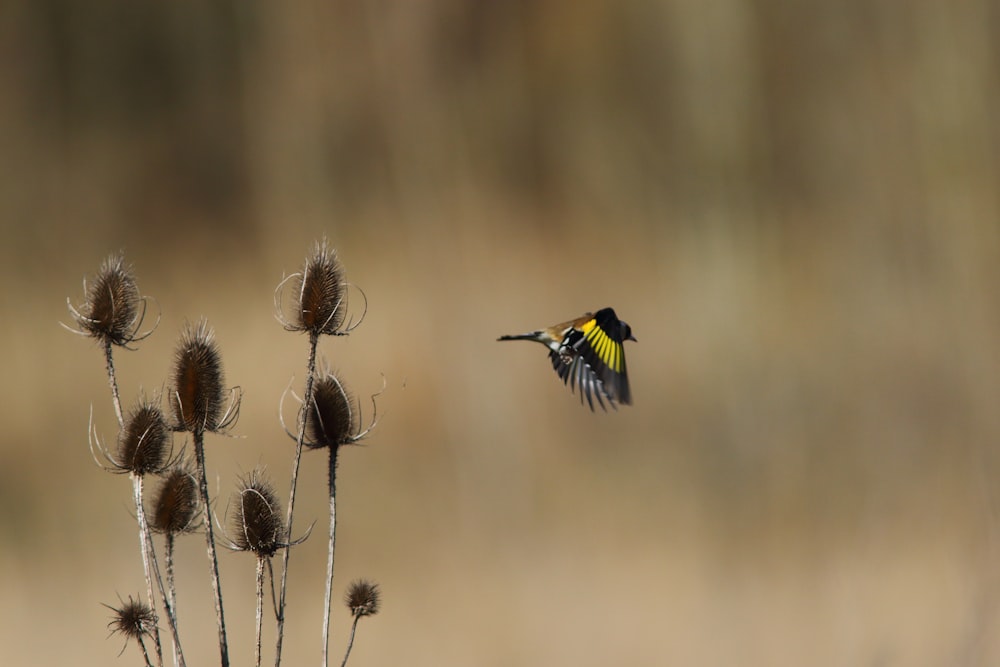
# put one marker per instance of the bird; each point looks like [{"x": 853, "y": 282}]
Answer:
[{"x": 588, "y": 352}]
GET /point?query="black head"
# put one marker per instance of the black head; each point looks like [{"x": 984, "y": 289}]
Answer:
[
  {"x": 607, "y": 319},
  {"x": 626, "y": 331}
]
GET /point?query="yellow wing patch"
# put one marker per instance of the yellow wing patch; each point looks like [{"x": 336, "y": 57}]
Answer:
[{"x": 606, "y": 349}]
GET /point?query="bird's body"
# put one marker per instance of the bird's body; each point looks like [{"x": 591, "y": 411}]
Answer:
[{"x": 587, "y": 351}]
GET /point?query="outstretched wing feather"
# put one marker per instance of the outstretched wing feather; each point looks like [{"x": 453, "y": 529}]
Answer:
[
  {"x": 601, "y": 348},
  {"x": 577, "y": 373}
]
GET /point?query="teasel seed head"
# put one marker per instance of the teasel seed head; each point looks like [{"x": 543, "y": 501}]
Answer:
[
  {"x": 322, "y": 294},
  {"x": 256, "y": 524},
  {"x": 363, "y": 598},
  {"x": 333, "y": 417},
  {"x": 144, "y": 441},
  {"x": 320, "y": 302},
  {"x": 198, "y": 396},
  {"x": 331, "y": 420},
  {"x": 134, "y": 619},
  {"x": 113, "y": 309},
  {"x": 177, "y": 505}
]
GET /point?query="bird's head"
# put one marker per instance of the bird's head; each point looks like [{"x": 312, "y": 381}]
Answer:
[{"x": 627, "y": 332}]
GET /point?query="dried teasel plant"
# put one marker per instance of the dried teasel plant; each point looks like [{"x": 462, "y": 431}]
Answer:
[
  {"x": 320, "y": 304},
  {"x": 135, "y": 620},
  {"x": 144, "y": 447},
  {"x": 144, "y": 442},
  {"x": 198, "y": 403},
  {"x": 257, "y": 526},
  {"x": 363, "y": 598},
  {"x": 332, "y": 420},
  {"x": 198, "y": 397},
  {"x": 112, "y": 312},
  {"x": 319, "y": 307},
  {"x": 176, "y": 510},
  {"x": 113, "y": 309},
  {"x": 176, "y": 505}
]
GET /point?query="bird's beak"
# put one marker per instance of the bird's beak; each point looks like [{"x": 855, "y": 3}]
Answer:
[{"x": 631, "y": 337}]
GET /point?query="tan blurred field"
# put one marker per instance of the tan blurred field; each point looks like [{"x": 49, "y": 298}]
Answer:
[{"x": 795, "y": 206}]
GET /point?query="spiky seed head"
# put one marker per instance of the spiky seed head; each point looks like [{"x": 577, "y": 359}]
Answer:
[
  {"x": 322, "y": 294},
  {"x": 197, "y": 398},
  {"x": 331, "y": 420},
  {"x": 176, "y": 504},
  {"x": 363, "y": 597},
  {"x": 134, "y": 619},
  {"x": 256, "y": 523},
  {"x": 144, "y": 441},
  {"x": 112, "y": 310}
]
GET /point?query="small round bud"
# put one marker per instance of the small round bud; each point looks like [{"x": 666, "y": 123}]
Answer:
[
  {"x": 134, "y": 619},
  {"x": 363, "y": 598}
]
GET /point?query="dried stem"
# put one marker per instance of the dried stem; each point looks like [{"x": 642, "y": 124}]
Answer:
[
  {"x": 260, "y": 607},
  {"x": 137, "y": 496},
  {"x": 170, "y": 606},
  {"x": 113, "y": 382},
  {"x": 144, "y": 547},
  {"x": 199, "y": 452},
  {"x": 270, "y": 578},
  {"x": 330, "y": 549},
  {"x": 145, "y": 653},
  {"x": 168, "y": 557},
  {"x": 350, "y": 642},
  {"x": 170, "y": 596},
  {"x": 167, "y": 594},
  {"x": 310, "y": 377}
]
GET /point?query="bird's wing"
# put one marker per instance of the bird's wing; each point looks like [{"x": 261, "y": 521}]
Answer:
[
  {"x": 600, "y": 346},
  {"x": 574, "y": 372}
]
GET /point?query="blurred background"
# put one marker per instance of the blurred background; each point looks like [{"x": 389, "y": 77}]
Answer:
[{"x": 794, "y": 204}]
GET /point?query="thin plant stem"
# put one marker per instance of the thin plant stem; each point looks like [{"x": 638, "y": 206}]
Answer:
[
  {"x": 350, "y": 642},
  {"x": 270, "y": 578},
  {"x": 329, "y": 556},
  {"x": 306, "y": 400},
  {"x": 170, "y": 596},
  {"x": 145, "y": 537},
  {"x": 199, "y": 452},
  {"x": 144, "y": 545},
  {"x": 113, "y": 382},
  {"x": 168, "y": 557},
  {"x": 168, "y": 602},
  {"x": 260, "y": 607},
  {"x": 145, "y": 653}
]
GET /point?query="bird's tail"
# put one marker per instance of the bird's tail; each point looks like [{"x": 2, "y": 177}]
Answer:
[{"x": 525, "y": 336}]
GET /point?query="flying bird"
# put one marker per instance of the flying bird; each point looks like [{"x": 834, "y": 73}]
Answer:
[{"x": 588, "y": 352}]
